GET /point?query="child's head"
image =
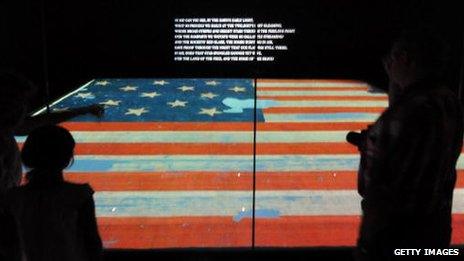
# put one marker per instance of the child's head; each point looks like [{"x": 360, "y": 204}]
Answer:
[{"x": 48, "y": 148}]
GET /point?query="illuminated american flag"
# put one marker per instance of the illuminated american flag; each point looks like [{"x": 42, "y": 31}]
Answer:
[{"x": 172, "y": 161}]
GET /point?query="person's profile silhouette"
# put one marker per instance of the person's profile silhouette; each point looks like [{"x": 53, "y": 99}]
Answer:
[
  {"x": 407, "y": 170},
  {"x": 56, "y": 218}
]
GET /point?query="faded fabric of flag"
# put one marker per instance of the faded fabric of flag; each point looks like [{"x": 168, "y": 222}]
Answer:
[{"x": 172, "y": 161}]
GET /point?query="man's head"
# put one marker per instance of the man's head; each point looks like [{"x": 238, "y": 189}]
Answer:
[{"x": 415, "y": 56}]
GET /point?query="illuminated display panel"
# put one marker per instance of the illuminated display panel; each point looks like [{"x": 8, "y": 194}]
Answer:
[
  {"x": 171, "y": 168},
  {"x": 172, "y": 161}
]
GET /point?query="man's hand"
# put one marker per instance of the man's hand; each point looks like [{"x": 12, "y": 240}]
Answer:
[
  {"x": 96, "y": 110},
  {"x": 359, "y": 139}
]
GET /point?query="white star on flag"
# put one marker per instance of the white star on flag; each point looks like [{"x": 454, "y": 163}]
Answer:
[
  {"x": 85, "y": 95},
  {"x": 186, "y": 88},
  {"x": 237, "y": 89},
  {"x": 102, "y": 83},
  {"x": 137, "y": 112},
  {"x": 211, "y": 112},
  {"x": 149, "y": 94},
  {"x": 209, "y": 95},
  {"x": 129, "y": 88},
  {"x": 177, "y": 103},
  {"x": 111, "y": 103},
  {"x": 214, "y": 83},
  {"x": 163, "y": 82}
]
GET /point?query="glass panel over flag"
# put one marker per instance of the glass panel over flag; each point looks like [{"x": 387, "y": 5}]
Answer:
[
  {"x": 171, "y": 163},
  {"x": 306, "y": 190}
]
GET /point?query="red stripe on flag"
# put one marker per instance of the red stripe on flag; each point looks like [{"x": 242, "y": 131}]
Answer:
[
  {"x": 159, "y": 126},
  {"x": 213, "y": 148},
  {"x": 264, "y": 88},
  {"x": 164, "y": 148},
  {"x": 298, "y": 231},
  {"x": 174, "y": 232},
  {"x": 196, "y": 126},
  {"x": 323, "y": 98},
  {"x": 310, "y": 126},
  {"x": 323, "y": 231},
  {"x": 322, "y": 110},
  {"x": 322, "y": 81},
  {"x": 292, "y": 231},
  {"x": 163, "y": 181},
  {"x": 172, "y": 181},
  {"x": 160, "y": 181}
]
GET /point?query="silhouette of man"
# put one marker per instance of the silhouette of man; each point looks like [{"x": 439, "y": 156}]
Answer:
[{"x": 408, "y": 156}]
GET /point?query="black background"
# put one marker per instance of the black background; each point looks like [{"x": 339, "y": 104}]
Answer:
[
  {"x": 121, "y": 38},
  {"x": 71, "y": 42}
]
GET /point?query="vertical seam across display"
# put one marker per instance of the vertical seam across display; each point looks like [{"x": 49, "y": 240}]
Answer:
[
  {"x": 253, "y": 220},
  {"x": 43, "y": 28},
  {"x": 253, "y": 206}
]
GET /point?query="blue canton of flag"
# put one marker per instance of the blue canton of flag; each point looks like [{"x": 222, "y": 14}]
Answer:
[{"x": 181, "y": 100}]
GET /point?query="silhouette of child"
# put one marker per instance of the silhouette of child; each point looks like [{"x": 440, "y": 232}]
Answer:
[
  {"x": 56, "y": 219},
  {"x": 15, "y": 95}
]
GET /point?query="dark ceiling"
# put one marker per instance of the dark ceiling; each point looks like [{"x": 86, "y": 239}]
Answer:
[{"x": 115, "y": 38}]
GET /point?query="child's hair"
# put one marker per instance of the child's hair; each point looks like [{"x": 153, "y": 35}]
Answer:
[{"x": 48, "y": 148}]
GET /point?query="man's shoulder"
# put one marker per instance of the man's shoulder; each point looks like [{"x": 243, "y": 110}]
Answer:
[
  {"x": 422, "y": 102},
  {"x": 429, "y": 95}
]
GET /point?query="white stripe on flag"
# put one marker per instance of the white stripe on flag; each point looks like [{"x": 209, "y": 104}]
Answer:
[
  {"x": 205, "y": 136},
  {"x": 236, "y": 203},
  {"x": 219, "y": 163},
  {"x": 321, "y": 117}
]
